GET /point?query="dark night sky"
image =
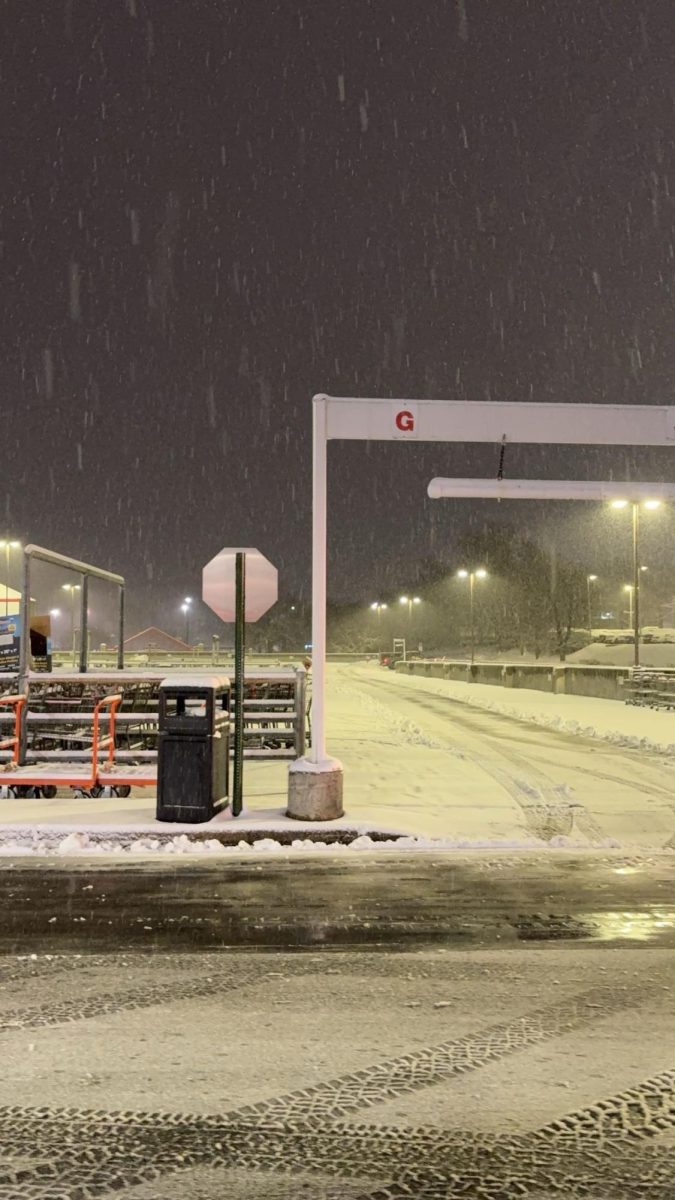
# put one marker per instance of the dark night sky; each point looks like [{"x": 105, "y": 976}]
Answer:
[{"x": 212, "y": 210}]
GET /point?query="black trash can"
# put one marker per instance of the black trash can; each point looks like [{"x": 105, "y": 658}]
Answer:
[{"x": 193, "y": 758}]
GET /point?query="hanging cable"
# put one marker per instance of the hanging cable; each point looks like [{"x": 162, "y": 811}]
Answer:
[{"x": 502, "y": 452}]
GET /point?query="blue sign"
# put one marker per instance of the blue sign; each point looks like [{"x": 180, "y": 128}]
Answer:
[{"x": 10, "y": 639}]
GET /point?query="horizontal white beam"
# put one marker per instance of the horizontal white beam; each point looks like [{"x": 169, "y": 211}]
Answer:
[
  {"x": 547, "y": 489},
  {"x": 351, "y": 418}
]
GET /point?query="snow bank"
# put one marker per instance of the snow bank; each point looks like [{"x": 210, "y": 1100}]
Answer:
[{"x": 85, "y": 845}]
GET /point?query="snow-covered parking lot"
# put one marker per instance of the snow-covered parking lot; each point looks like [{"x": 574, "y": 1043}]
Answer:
[
  {"x": 460, "y": 765},
  {"x": 480, "y": 762}
]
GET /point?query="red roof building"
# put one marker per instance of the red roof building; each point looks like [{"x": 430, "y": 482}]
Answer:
[{"x": 154, "y": 639}]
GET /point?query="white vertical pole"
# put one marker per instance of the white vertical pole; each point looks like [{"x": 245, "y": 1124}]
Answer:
[{"x": 319, "y": 558}]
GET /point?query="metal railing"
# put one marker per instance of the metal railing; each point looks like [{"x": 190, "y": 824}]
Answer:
[
  {"x": 99, "y": 743},
  {"x": 86, "y": 572},
  {"x": 13, "y": 743},
  {"x": 58, "y": 719}
]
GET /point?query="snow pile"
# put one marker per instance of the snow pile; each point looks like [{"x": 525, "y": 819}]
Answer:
[
  {"x": 659, "y": 654},
  {"x": 84, "y": 844}
]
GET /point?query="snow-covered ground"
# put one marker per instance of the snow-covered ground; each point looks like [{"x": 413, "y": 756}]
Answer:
[
  {"x": 453, "y": 765},
  {"x": 589, "y": 716},
  {"x": 478, "y": 761},
  {"x": 652, "y": 654}
]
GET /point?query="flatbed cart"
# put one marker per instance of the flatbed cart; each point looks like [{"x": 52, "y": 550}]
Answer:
[{"x": 90, "y": 775}]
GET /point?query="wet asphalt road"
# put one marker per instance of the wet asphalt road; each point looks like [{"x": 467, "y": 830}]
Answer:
[
  {"x": 375, "y": 900},
  {"x": 365, "y": 1028},
  {"x": 428, "y": 1072}
]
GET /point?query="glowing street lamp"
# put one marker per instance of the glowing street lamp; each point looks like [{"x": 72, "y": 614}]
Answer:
[
  {"x": 73, "y": 589},
  {"x": 589, "y": 580},
  {"x": 633, "y": 589},
  {"x": 55, "y": 613},
  {"x": 472, "y": 576}
]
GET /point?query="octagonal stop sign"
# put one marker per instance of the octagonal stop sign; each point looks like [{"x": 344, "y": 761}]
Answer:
[{"x": 218, "y": 583}]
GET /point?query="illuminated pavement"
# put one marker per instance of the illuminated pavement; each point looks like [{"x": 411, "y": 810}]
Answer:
[
  {"x": 426, "y": 1074},
  {"x": 425, "y": 1027},
  {"x": 296, "y": 900}
]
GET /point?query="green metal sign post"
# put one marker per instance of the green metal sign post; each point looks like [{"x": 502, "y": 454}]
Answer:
[{"x": 239, "y": 584}]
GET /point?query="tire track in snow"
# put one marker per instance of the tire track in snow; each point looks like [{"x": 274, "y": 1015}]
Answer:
[{"x": 547, "y": 808}]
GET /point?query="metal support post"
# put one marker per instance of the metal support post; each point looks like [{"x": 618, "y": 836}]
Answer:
[
  {"x": 120, "y": 633},
  {"x": 239, "y": 660},
  {"x": 315, "y": 781},
  {"x": 24, "y": 655},
  {"x": 84, "y": 620},
  {"x": 300, "y": 710},
  {"x": 319, "y": 580}
]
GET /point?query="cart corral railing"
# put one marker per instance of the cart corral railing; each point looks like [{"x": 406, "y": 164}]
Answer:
[
  {"x": 651, "y": 687},
  {"x": 195, "y": 657},
  {"x": 57, "y": 717},
  {"x": 609, "y": 683}
]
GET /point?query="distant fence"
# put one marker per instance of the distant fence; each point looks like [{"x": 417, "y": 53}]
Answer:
[
  {"x": 561, "y": 679},
  {"x": 195, "y": 657}
]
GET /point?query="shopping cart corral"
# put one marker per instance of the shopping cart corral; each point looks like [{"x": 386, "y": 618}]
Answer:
[
  {"x": 651, "y": 688},
  {"x": 97, "y": 733}
]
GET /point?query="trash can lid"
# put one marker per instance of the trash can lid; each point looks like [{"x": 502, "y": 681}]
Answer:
[{"x": 185, "y": 680}]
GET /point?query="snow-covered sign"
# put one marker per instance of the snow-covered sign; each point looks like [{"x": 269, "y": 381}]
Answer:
[
  {"x": 548, "y": 489},
  {"x": 350, "y": 418},
  {"x": 371, "y": 419},
  {"x": 218, "y": 583}
]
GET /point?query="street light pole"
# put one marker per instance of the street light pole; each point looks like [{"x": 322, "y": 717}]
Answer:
[
  {"x": 472, "y": 576},
  {"x": 634, "y": 588},
  {"x": 473, "y": 627},
  {"x": 377, "y": 607},
  {"x": 409, "y": 601},
  {"x": 629, "y": 588},
  {"x": 72, "y": 588},
  {"x": 186, "y": 609},
  {"x": 589, "y": 580},
  {"x": 636, "y": 584}
]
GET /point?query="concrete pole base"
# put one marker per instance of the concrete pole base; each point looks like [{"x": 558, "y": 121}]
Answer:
[{"x": 315, "y": 790}]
